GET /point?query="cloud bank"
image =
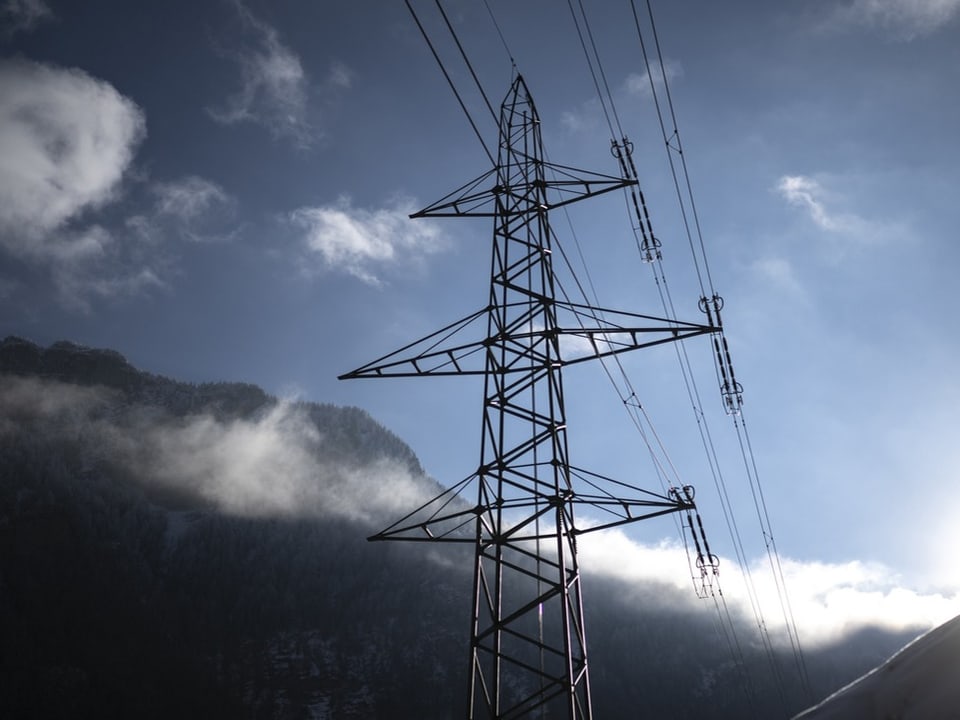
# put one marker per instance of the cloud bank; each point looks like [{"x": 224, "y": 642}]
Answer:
[
  {"x": 275, "y": 464},
  {"x": 828, "y": 600}
]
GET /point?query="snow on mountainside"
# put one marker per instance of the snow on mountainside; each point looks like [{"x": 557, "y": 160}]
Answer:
[{"x": 921, "y": 682}]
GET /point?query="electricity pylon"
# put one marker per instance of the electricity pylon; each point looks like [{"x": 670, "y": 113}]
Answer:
[{"x": 528, "y": 651}]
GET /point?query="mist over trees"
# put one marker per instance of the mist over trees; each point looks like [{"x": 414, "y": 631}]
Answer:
[{"x": 179, "y": 550}]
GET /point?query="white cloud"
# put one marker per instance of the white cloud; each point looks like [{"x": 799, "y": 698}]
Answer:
[
  {"x": 902, "y": 19},
  {"x": 273, "y": 90},
  {"x": 199, "y": 208},
  {"x": 833, "y": 599},
  {"x": 810, "y": 195},
  {"x": 359, "y": 241},
  {"x": 23, "y": 15},
  {"x": 843, "y": 231},
  {"x": 639, "y": 83},
  {"x": 807, "y": 193},
  {"x": 67, "y": 144},
  {"x": 66, "y": 140},
  {"x": 828, "y": 600}
]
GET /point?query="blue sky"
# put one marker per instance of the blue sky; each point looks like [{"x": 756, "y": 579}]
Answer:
[{"x": 219, "y": 191}]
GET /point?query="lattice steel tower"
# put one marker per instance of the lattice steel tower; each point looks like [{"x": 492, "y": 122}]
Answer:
[{"x": 528, "y": 654}]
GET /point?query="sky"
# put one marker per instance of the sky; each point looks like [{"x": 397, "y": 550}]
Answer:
[{"x": 220, "y": 191}]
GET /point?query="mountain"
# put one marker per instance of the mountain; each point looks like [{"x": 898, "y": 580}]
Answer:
[
  {"x": 198, "y": 550},
  {"x": 917, "y": 683}
]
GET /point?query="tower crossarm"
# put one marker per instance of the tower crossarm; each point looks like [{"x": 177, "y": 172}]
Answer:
[
  {"x": 616, "y": 332},
  {"x": 454, "y": 526},
  {"x": 486, "y": 197},
  {"x": 602, "y": 503}
]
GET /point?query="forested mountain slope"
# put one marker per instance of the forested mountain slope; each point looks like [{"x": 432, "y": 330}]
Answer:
[{"x": 178, "y": 550}]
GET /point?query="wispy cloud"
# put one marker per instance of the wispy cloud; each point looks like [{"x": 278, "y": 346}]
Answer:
[
  {"x": 340, "y": 76},
  {"x": 200, "y": 209},
  {"x": 640, "y": 84},
  {"x": 806, "y": 193},
  {"x": 584, "y": 119},
  {"x": 363, "y": 242},
  {"x": 589, "y": 115},
  {"x": 820, "y": 206},
  {"x": 900, "y": 19},
  {"x": 23, "y": 15},
  {"x": 273, "y": 84}
]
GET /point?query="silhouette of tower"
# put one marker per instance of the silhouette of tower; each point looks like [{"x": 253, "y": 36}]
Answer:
[{"x": 528, "y": 652}]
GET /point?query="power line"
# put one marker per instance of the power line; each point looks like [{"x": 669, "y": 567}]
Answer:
[
  {"x": 503, "y": 40},
  {"x": 730, "y": 387},
  {"x": 649, "y": 247},
  {"x": 593, "y": 73},
  {"x": 648, "y": 244},
  {"x": 453, "y": 87},
  {"x": 466, "y": 60}
]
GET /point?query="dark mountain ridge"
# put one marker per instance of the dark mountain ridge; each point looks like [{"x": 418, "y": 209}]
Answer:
[{"x": 179, "y": 550}]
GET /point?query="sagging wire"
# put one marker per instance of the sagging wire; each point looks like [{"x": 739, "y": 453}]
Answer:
[
  {"x": 467, "y": 62},
  {"x": 648, "y": 244},
  {"x": 673, "y": 145},
  {"x": 711, "y": 304},
  {"x": 649, "y": 247},
  {"x": 593, "y": 73},
  {"x": 773, "y": 554},
  {"x": 503, "y": 40},
  {"x": 450, "y": 82}
]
